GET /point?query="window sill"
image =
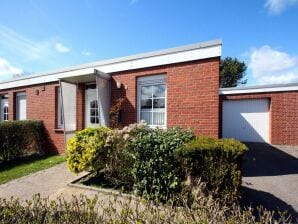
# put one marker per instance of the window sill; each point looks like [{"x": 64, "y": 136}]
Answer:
[{"x": 59, "y": 130}]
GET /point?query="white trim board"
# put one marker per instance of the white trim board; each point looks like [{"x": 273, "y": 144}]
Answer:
[
  {"x": 156, "y": 58},
  {"x": 259, "y": 89}
]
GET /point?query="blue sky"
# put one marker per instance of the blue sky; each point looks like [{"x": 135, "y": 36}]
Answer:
[{"x": 38, "y": 35}]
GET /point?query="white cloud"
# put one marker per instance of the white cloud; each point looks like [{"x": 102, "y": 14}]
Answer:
[
  {"x": 278, "y": 6},
  {"x": 27, "y": 50},
  {"x": 7, "y": 70},
  {"x": 86, "y": 53},
  {"x": 61, "y": 48},
  {"x": 269, "y": 66}
]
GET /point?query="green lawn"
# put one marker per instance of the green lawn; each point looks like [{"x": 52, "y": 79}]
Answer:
[{"x": 16, "y": 169}]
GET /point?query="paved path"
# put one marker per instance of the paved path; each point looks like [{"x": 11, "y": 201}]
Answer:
[
  {"x": 270, "y": 177},
  {"x": 46, "y": 182}
]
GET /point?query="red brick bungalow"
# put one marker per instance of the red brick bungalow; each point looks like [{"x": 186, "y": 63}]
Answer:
[{"x": 173, "y": 87}]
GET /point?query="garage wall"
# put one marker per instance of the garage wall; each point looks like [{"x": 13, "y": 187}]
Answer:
[{"x": 283, "y": 114}]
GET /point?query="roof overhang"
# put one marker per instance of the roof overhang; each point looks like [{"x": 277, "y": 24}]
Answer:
[
  {"x": 259, "y": 89},
  {"x": 186, "y": 53},
  {"x": 85, "y": 78}
]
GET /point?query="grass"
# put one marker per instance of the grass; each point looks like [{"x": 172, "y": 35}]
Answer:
[{"x": 25, "y": 166}]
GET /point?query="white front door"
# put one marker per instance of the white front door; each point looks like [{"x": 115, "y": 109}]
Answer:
[
  {"x": 4, "y": 109},
  {"x": 246, "y": 120},
  {"x": 91, "y": 108}
]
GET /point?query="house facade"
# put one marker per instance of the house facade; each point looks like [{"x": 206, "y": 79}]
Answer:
[
  {"x": 167, "y": 88},
  {"x": 173, "y": 87}
]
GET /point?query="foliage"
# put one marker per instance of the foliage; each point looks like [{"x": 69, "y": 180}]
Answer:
[
  {"x": 81, "y": 209},
  {"x": 115, "y": 113},
  {"x": 215, "y": 162},
  {"x": 87, "y": 150},
  {"x": 232, "y": 72},
  {"x": 20, "y": 138},
  {"x": 157, "y": 174},
  {"x": 25, "y": 166},
  {"x": 120, "y": 160}
]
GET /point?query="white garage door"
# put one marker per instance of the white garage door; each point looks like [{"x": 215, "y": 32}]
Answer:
[{"x": 246, "y": 120}]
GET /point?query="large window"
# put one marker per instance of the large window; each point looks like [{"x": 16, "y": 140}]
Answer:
[
  {"x": 60, "y": 120},
  {"x": 152, "y": 100},
  {"x": 4, "y": 108},
  {"x": 21, "y": 106}
]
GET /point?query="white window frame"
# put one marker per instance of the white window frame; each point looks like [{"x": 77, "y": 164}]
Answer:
[
  {"x": 159, "y": 79},
  {"x": 3, "y": 115},
  {"x": 60, "y": 120},
  {"x": 19, "y": 94}
]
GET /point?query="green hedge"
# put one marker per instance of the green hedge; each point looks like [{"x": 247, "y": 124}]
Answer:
[
  {"x": 20, "y": 138},
  {"x": 157, "y": 174},
  {"x": 215, "y": 162},
  {"x": 87, "y": 150}
]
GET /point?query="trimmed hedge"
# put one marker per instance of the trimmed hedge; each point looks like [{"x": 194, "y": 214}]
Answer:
[
  {"x": 215, "y": 162},
  {"x": 20, "y": 138},
  {"x": 87, "y": 150},
  {"x": 157, "y": 174}
]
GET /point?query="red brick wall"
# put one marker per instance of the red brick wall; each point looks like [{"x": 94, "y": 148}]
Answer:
[
  {"x": 192, "y": 94},
  {"x": 283, "y": 115},
  {"x": 40, "y": 106}
]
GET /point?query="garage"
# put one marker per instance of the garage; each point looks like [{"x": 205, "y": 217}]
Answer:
[{"x": 246, "y": 119}]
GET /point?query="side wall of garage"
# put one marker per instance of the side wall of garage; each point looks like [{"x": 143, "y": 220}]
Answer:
[{"x": 283, "y": 114}]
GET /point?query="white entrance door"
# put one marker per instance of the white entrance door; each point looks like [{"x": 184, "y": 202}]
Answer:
[
  {"x": 91, "y": 108},
  {"x": 246, "y": 120},
  {"x": 4, "y": 109}
]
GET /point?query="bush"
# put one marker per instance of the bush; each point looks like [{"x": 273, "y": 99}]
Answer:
[
  {"x": 87, "y": 150},
  {"x": 157, "y": 174},
  {"x": 120, "y": 160},
  {"x": 215, "y": 162},
  {"x": 118, "y": 210},
  {"x": 20, "y": 138}
]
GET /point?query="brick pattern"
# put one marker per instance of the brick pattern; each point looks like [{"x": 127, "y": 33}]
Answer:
[
  {"x": 283, "y": 115},
  {"x": 41, "y": 105},
  {"x": 192, "y": 94}
]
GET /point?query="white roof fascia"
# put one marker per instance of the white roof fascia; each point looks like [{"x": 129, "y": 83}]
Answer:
[
  {"x": 259, "y": 89},
  {"x": 156, "y": 58}
]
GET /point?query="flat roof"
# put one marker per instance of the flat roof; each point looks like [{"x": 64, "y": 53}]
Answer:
[
  {"x": 259, "y": 89},
  {"x": 185, "y": 53}
]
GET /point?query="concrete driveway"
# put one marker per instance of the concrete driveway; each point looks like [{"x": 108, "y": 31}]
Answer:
[
  {"x": 46, "y": 182},
  {"x": 270, "y": 177}
]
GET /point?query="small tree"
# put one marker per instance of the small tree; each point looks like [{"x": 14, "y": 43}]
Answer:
[{"x": 232, "y": 72}]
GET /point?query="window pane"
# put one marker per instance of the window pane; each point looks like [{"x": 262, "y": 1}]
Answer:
[
  {"x": 97, "y": 120},
  {"x": 92, "y": 112},
  {"x": 159, "y": 103},
  {"x": 147, "y": 116},
  {"x": 146, "y": 104},
  {"x": 159, "y": 90},
  {"x": 146, "y": 92},
  {"x": 92, "y": 120},
  {"x": 159, "y": 118}
]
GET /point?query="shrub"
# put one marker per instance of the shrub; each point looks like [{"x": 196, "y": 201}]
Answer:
[
  {"x": 87, "y": 150},
  {"x": 215, "y": 162},
  {"x": 120, "y": 159},
  {"x": 20, "y": 138},
  {"x": 118, "y": 210},
  {"x": 157, "y": 174}
]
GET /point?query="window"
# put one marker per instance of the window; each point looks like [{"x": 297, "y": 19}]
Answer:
[
  {"x": 4, "y": 108},
  {"x": 60, "y": 120},
  {"x": 94, "y": 118},
  {"x": 21, "y": 106},
  {"x": 152, "y": 100}
]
